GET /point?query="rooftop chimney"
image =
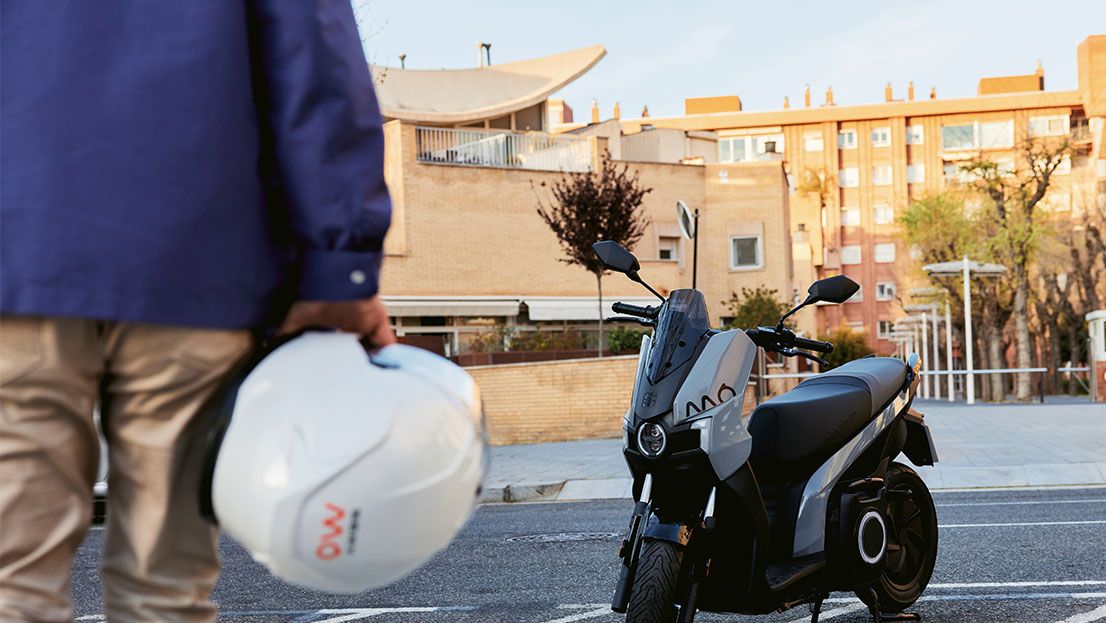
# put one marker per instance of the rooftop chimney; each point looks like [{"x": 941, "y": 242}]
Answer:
[
  {"x": 644, "y": 111},
  {"x": 595, "y": 111},
  {"x": 932, "y": 93},
  {"x": 888, "y": 94},
  {"x": 829, "y": 96},
  {"x": 910, "y": 91},
  {"x": 617, "y": 111},
  {"x": 806, "y": 96},
  {"x": 786, "y": 103},
  {"x": 480, "y": 53}
]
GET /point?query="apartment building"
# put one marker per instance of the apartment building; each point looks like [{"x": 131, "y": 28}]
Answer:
[
  {"x": 468, "y": 160},
  {"x": 876, "y": 158}
]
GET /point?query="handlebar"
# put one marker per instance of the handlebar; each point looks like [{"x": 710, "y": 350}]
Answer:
[
  {"x": 633, "y": 310},
  {"x": 780, "y": 341},
  {"x": 822, "y": 347}
]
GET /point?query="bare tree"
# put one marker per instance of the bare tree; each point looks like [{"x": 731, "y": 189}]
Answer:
[
  {"x": 592, "y": 206},
  {"x": 1015, "y": 196}
]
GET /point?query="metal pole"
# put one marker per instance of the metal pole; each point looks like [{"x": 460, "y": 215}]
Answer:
[
  {"x": 695, "y": 251},
  {"x": 926, "y": 378},
  {"x": 948, "y": 348},
  {"x": 936, "y": 354},
  {"x": 969, "y": 378}
]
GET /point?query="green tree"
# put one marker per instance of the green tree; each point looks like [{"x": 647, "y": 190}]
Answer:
[
  {"x": 592, "y": 206},
  {"x": 755, "y": 308},
  {"x": 624, "y": 340},
  {"x": 847, "y": 346}
]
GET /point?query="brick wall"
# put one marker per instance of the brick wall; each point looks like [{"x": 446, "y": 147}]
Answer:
[{"x": 556, "y": 400}]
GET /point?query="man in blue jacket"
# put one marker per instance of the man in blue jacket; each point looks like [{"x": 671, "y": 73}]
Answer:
[{"x": 174, "y": 175}]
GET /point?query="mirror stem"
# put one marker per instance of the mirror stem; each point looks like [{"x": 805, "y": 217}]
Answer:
[
  {"x": 635, "y": 277},
  {"x": 808, "y": 301}
]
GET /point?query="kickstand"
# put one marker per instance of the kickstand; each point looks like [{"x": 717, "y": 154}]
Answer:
[
  {"x": 880, "y": 617},
  {"x": 816, "y": 609}
]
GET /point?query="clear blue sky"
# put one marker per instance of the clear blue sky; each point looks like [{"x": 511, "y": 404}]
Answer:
[{"x": 660, "y": 52}]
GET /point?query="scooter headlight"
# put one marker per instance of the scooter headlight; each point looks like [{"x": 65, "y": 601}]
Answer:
[{"x": 651, "y": 439}]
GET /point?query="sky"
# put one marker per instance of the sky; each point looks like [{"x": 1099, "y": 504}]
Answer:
[{"x": 658, "y": 53}]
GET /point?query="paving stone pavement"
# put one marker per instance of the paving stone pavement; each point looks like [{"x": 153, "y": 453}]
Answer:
[{"x": 1005, "y": 445}]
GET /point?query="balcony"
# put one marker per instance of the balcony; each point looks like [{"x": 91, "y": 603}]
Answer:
[{"x": 503, "y": 149}]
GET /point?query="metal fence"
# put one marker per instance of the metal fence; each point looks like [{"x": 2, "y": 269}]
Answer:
[{"x": 503, "y": 149}]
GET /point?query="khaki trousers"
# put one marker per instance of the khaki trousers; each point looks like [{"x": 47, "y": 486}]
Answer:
[{"x": 160, "y": 559}]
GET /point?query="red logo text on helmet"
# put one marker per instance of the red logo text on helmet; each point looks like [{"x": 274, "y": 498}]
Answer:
[{"x": 329, "y": 547}]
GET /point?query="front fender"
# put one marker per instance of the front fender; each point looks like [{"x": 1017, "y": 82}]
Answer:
[
  {"x": 919, "y": 446},
  {"x": 676, "y": 533}
]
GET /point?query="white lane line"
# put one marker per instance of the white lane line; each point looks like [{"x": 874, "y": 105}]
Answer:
[
  {"x": 356, "y": 614},
  {"x": 836, "y": 612},
  {"x": 580, "y": 616},
  {"x": 1024, "y": 523},
  {"x": 92, "y": 617},
  {"x": 1025, "y": 503},
  {"x": 1087, "y": 617},
  {"x": 1016, "y": 584}
]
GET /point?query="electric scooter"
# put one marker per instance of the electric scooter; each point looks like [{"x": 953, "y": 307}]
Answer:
[{"x": 759, "y": 512}]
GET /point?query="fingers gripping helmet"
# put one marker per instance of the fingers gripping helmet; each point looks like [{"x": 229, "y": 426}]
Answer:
[{"x": 343, "y": 470}]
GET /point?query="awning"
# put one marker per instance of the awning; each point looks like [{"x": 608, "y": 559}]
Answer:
[
  {"x": 578, "y": 307},
  {"x": 409, "y": 306}
]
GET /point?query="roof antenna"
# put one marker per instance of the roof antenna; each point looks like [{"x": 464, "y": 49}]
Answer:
[
  {"x": 487, "y": 49},
  {"x": 403, "y": 61}
]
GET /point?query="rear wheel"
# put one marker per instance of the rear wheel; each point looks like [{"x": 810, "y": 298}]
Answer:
[
  {"x": 911, "y": 542},
  {"x": 653, "y": 599}
]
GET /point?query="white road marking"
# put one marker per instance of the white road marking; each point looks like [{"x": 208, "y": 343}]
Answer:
[
  {"x": 356, "y": 614},
  {"x": 92, "y": 617},
  {"x": 1087, "y": 617},
  {"x": 836, "y": 612},
  {"x": 1016, "y": 584},
  {"x": 1024, "y": 523},
  {"x": 1025, "y": 503},
  {"x": 580, "y": 616}
]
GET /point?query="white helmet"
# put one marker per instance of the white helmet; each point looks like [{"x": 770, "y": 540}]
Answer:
[{"x": 343, "y": 470}]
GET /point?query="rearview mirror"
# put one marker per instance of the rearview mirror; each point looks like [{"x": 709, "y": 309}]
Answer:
[
  {"x": 615, "y": 257},
  {"x": 835, "y": 289}
]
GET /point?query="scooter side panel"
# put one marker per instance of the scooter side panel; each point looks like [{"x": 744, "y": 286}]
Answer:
[
  {"x": 719, "y": 374},
  {"x": 810, "y": 524}
]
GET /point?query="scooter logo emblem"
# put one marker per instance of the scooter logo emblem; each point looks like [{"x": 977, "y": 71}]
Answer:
[
  {"x": 649, "y": 399},
  {"x": 706, "y": 402},
  {"x": 329, "y": 547}
]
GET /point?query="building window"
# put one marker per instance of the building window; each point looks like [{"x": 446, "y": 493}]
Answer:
[
  {"x": 883, "y": 214},
  {"x": 1064, "y": 168},
  {"x": 885, "y": 291},
  {"x": 850, "y": 217},
  {"x": 668, "y": 248},
  {"x": 856, "y": 326},
  {"x": 915, "y": 173},
  {"x": 812, "y": 141},
  {"x": 1057, "y": 201},
  {"x": 915, "y": 135},
  {"x": 978, "y": 135},
  {"x": 886, "y": 327},
  {"x": 746, "y": 252},
  {"x": 850, "y": 254},
  {"x": 882, "y": 175},
  {"x": 846, "y": 139},
  {"x": 1055, "y": 125},
  {"x": 848, "y": 177},
  {"x": 885, "y": 253},
  {"x": 749, "y": 148},
  {"x": 881, "y": 137}
]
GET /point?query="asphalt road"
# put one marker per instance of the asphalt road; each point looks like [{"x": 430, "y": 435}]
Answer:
[{"x": 1025, "y": 556}]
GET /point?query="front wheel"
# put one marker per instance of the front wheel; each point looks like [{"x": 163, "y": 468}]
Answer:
[
  {"x": 653, "y": 599},
  {"x": 911, "y": 542}
]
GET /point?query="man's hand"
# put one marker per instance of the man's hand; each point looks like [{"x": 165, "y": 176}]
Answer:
[{"x": 366, "y": 317}]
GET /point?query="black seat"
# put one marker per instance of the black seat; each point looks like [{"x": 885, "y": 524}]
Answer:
[{"x": 797, "y": 431}]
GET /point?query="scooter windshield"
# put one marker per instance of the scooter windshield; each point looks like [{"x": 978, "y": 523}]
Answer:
[{"x": 680, "y": 324}]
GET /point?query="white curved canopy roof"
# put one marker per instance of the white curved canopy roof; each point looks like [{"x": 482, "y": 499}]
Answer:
[{"x": 464, "y": 95}]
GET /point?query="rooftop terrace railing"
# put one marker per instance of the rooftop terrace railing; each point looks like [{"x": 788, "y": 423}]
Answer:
[{"x": 503, "y": 149}]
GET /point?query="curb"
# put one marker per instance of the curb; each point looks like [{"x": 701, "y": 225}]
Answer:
[{"x": 949, "y": 479}]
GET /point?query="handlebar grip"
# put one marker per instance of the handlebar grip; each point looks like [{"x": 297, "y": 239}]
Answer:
[
  {"x": 823, "y": 347},
  {"x": 633, "y": 310}
]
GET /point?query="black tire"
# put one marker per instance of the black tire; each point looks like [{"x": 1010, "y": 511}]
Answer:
[
  {"x": 911, "y": 542},
  {"x": 653, "y": 599}
]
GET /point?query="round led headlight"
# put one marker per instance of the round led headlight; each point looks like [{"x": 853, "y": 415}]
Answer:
[{"x": 651, "y": 439}]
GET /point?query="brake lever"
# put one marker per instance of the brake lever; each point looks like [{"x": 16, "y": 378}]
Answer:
[
  {"x": 645, "y": 322},
  {"x": 793, "y": 352}
]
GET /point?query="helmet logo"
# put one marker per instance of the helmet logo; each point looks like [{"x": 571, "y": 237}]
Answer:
[{"x": 329, "y": 547}]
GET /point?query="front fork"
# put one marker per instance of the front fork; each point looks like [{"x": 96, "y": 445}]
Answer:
[{"x": 631, "y": 547}]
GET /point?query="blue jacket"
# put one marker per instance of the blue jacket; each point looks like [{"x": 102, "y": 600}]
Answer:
[{"x": 177, "y": 162}]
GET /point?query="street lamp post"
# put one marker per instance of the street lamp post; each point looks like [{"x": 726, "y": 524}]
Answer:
[{"x": 966, "y": 267}]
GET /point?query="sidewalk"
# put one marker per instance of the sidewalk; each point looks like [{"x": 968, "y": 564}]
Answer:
[{"x": 1008, "y": 445}]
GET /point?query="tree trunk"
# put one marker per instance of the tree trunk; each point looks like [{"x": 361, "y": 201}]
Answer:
[
  {"x": 599, "y": 286},
  {"x": 1074, "y": 345},
  {"x": 1023, "y": 388},
  {"x": 993, "y": 336},
  {"x": 984, "y": 386}
]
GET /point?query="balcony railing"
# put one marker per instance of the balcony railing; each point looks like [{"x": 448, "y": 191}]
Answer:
[{"x": 503, "y": 149}]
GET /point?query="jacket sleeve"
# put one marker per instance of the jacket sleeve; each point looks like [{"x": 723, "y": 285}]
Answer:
[{"x": 323, "y": 142}]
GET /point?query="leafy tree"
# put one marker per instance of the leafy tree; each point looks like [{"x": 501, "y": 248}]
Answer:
[
  {"x": 592, "y": 206},
  {"x": 847, "y": 346},
  {"x": 624, "y": 340},
  {"x": 755, "y": 308}
]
